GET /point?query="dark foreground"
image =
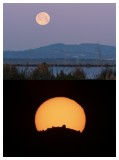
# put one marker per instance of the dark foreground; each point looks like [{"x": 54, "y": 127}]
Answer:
[
  {"x": 42, "y": 72},
  {"x": 61, "y": 142}
]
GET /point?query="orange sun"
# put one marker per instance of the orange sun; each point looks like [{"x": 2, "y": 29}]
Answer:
[{"x": 60, "y": 111}]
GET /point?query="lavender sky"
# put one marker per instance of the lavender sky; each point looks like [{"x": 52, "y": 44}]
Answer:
[{"x": 70, "y": 24}]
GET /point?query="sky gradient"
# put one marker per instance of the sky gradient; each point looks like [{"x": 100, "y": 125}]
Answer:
[{"x": 70, "y": 24}]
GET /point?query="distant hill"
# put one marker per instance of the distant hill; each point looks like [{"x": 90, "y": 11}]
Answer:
[
  {"x": 60, "y": 141},
  {"x": 63, "y": 129},
  {"x": 63, "y": 51}
]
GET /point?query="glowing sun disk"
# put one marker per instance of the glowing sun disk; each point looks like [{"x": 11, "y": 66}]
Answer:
[{"x": 60, "y": 111}]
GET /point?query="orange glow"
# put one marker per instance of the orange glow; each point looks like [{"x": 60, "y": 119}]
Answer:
[
  {"x": 42, "y": 18},
  {"x": 60, "y": 111}
]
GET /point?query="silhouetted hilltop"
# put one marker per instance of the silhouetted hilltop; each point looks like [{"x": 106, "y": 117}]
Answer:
[
  {"x": 59, "y": 129},
  {"x": 63, "y": 51},
  {"x": 59, "y": 134},
  {"x": 59, "y": 141}
]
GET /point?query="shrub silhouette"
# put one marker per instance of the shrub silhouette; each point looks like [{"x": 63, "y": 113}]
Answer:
[
  {"x": 79, "y": 74},
  {"x": 107, "y": 74},
  {"x": 41, "y": 73},
  {"x": 63, "y": 76},
  {"x": 10, "y": 72}
]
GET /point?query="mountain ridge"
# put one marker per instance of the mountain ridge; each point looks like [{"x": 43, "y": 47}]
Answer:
[{"x": 65, "y": 51}]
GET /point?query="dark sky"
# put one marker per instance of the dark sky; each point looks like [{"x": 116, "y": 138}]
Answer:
[
  {"x": 22, "y": 98},
  {"x": 70, "y": 24}
]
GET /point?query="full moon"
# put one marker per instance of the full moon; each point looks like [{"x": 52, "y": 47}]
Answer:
[
  {"x": 42, "y": 18},
  {"x": 59, "y": 111}
]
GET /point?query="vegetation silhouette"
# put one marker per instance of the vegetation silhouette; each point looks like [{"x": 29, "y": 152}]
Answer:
[
  {"x": 10, "y": 72},
  {"x": 107, "y": 74},
  {"x": 42, "y": 72}
]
